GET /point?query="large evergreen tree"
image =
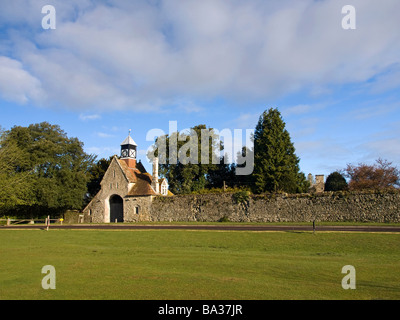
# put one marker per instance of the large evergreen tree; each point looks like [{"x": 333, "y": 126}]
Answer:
[{"x": 276, "y": 166}]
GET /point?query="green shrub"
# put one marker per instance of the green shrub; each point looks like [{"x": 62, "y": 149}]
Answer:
[
  {"x": 241, "y": 196},
  {"x": 224, "y": 219},
  {"x": 335, "y": 182}
]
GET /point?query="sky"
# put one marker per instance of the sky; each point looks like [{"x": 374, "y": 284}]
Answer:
[{"x": 113, "y": 65}]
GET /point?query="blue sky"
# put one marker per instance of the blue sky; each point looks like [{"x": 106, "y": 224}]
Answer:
[{"x": 111, "y": 66}]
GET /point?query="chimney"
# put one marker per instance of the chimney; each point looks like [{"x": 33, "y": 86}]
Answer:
[
  {"x": 310, "y": 179},
  {"x": 155, "y": 184},
  {"x": 131, "y": 163}
]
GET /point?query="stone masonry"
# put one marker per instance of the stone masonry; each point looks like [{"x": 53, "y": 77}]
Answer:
[{"x": 328, "y": 206}]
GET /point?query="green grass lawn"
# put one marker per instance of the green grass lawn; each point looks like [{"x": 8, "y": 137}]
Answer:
[{"x": 172, "y": 264}]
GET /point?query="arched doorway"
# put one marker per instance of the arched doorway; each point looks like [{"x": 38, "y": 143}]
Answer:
[{"x": 116, "y": 209}]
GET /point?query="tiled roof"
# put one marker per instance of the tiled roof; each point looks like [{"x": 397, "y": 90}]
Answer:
[
  {"x": 140, "y": 167},
  {"x": 142, "y": 180},
  {"x": 129, "y": 172},
  {"x": 142, "y": 187}
]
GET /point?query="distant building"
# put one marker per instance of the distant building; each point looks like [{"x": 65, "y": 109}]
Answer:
[
  {"x": 317, "y": 185},
  {"x": 127, "y": 190}
]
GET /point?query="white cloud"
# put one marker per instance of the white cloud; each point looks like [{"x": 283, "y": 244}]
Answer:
[
  {"x": 139, "y": 55},
  {"x": 297, "y": 110},
  {"x": 16, "y": 84},
  {"x": 104, "y": 135},
  {"x": 86, "y": 117},
  {"x": 246, "y": 120}
]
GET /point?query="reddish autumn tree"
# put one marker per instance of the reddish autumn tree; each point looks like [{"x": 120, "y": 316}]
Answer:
[{"x": 381, "y": 175}]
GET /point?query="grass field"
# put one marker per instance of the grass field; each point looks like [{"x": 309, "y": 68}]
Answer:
[{"x": 167, "y": 264}]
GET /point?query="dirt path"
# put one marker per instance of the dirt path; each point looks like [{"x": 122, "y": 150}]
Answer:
[{"x": 217, "y": 227}]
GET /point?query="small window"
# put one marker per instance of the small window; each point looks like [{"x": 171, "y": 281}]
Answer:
[
  {"x": 164, "y": 190},
  {"x": 137, "y": 210}
]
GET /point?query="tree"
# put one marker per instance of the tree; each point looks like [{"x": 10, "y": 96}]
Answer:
[
  {"x": 183, "y": 161},
  {"x": 14, "y": 185},
  {"x": 335, "y": 182},
  {"x": 276, "y": 166},
  {"x": 56, "y": 167},
  {"x": 381, "y": 175},
  {"x": 96, "y": 173},
  {"x": 222, "y": 173},
  {"x": 242, "y": 181}
]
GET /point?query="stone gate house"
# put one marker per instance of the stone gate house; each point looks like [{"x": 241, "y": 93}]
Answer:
[{"x": 126, "y": 190}]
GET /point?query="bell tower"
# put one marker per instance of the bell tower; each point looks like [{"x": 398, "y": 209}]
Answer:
[{"x": 128, "y": 151}]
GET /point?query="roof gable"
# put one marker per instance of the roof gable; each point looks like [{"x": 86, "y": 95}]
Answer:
[
  {"x": 142, "y": 180},
  {"x": 113, "y": 170}
]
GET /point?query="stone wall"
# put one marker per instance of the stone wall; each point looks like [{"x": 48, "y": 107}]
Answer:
[
  {"x": 137, "y": 209},
  {"x": 327, "y": 206}
]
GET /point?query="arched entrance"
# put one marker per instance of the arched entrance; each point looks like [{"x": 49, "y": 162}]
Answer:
[{"x": 116, "y": 208}]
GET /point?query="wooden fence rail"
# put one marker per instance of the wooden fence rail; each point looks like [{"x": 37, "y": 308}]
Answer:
[{"x": 29, "y": 221}]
